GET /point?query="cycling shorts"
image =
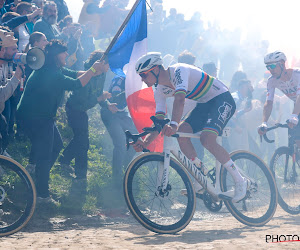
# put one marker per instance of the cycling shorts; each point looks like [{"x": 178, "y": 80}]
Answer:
[{"x": 213, "y": 115}]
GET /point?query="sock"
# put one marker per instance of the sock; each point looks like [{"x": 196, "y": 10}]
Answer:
[{"x": 233, "y": 171}]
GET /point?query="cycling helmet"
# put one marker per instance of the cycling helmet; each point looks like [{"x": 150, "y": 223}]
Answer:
[
  {"x": 7, "y": 39},
  {"x": 148, "y": 61},
  {"x": 274, "y": 57}
]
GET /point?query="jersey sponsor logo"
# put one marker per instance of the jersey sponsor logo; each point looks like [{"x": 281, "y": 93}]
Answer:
[
  {"x": 289, "y": 91},
  {"x": 215, "y": 87},
  {"x": 177, "y": 78},
  {"x": 224, "y": 112},
  {"x": 167, "y": 91}
]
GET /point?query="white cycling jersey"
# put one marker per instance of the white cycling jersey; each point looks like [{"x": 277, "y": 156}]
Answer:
[
  {"x": 188, "y": 79},
  {"x": 290, "y": 88}
]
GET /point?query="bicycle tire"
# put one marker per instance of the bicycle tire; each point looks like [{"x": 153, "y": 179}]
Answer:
[
  {"x": 158, "y": 213},
  {"x": 260, "y": 203},
  {"x": 17, "y": 196},
  {"x": 289, "y": 187}
]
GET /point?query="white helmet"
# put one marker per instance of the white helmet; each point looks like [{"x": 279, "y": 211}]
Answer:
[
  {"x": 274, "y": 57},
  {"x": 148, "y": 61}
]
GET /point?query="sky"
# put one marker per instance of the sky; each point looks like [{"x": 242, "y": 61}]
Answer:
[{"x": 276, "y": 19}]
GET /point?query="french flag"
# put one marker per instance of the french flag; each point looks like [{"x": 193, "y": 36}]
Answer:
[{"x": 129, "y": 47}]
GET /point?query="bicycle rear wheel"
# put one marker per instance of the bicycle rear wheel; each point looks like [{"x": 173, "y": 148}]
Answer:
[
  {"x": 17, "y": 196},
  {"x": 159, "y": 211},
  {"x": 287, "y": 179},
  {"x": 260, "y": 202}
]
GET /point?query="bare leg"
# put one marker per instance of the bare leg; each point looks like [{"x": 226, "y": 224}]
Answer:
[
  {"x": 209, "y": 141},
  {"x": 185, "y": 143}
]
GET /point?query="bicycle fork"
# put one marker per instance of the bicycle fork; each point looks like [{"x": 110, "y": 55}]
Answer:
[{"x": 162, "y": 186}]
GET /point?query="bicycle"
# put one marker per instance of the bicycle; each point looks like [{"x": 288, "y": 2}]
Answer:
[
  {"x": 153, "y": 183},
  {"x": 17, "y": 196},
  {"x": 285, "y": 165}
]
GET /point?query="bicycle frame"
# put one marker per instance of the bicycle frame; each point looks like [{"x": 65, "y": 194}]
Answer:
[
  {"x": 163, "y": 173},
  {"x": 292, "y": 144}
]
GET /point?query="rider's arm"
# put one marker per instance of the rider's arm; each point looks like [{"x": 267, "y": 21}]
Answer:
[
  {"x": 181, "y": 87},
  {"x": 178, "y": 105},
  {"x": 296, "y": 109},
  {"x": 267, "y": 110},
  {"x": 269, "y": 102},
  {"x": 149, "y": 138}
]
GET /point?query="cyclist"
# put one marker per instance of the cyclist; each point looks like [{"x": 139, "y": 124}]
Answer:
[
  {"x": 215, "y": 106},
  {"x": 288, "y": 81}
]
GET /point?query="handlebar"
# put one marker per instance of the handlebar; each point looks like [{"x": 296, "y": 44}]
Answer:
[
  {"x": 158, "y": 125},
  {"x": 277, "y": 125}
]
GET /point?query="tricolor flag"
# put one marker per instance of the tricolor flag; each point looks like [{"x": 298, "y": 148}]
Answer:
[{"x": 129, "y": 47}]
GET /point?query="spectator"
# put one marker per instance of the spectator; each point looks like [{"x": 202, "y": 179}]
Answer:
[
  {"x": 77, "y": 106},
  {"x": 65, "y": 22},
  {"x": 2, "y": 8},
  {"x": 39, "y": 3},
  {"x": 36, "y": 39},
  {"x": 8, "y": 46},
  {"x": 62, "y": 9},
  {"x": 75, "y": 50},
  {"x": 117, "y": 121},
  {"x": 186, "y": 57},
  {"x": 39, "y": 103},
  {"x": 25, "y": 8},
  {"x": 15, "y": 21},
  {"x": 210, "y": 68},
  {"x": 236, "y": 78},
  {"x": 39, "y": 40},
  {"x": 48, "y": 23},
  {"x": 86, "y": 40},
  {"x": 238, "y": 138},
  {"x": 105, "y": 19}
]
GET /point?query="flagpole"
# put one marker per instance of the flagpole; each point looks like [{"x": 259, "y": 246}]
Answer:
[{"x": 121, "y": 29}]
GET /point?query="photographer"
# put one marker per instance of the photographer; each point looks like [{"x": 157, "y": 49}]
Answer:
[
  {"x": 8, "y": 47},
  {"x": 38, "y": 106}
]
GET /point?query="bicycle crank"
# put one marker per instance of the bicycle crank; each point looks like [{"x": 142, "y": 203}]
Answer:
[{"x": 210, "y": 203}]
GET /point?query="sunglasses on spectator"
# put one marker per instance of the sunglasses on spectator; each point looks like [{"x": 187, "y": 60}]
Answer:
[
  {"x": 144, "y": 74},
  {"x": 271, "y": 66}
]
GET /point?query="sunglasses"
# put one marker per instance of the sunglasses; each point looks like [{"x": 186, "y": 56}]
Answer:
[
  {"x": 144, "y": 74},
  {"x": 271, "y": 66}
]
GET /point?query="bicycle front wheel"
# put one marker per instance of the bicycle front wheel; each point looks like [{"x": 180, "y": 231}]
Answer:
[
  {"x": 161, "y": 211},
  {"x": 259, "y": 205},
  {"x": 17, "y": 196},
  {"x": 287, "y": 178}
]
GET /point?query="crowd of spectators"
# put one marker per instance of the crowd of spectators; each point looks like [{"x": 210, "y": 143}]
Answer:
[{"x": 70, "y": 50}]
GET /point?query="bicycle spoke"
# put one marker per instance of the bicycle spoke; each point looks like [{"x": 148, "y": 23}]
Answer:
[
  {"x": 163, "y": 210},
  {"x": 260, "y": 202}
]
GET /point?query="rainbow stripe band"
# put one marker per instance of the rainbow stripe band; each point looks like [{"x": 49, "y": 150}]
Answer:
[
  {"x": 211, "y": 130},
  {"x": 180, "y": 91},
  {"x": 202, "y": 87},
  {"x": 162, "y": 114}
]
